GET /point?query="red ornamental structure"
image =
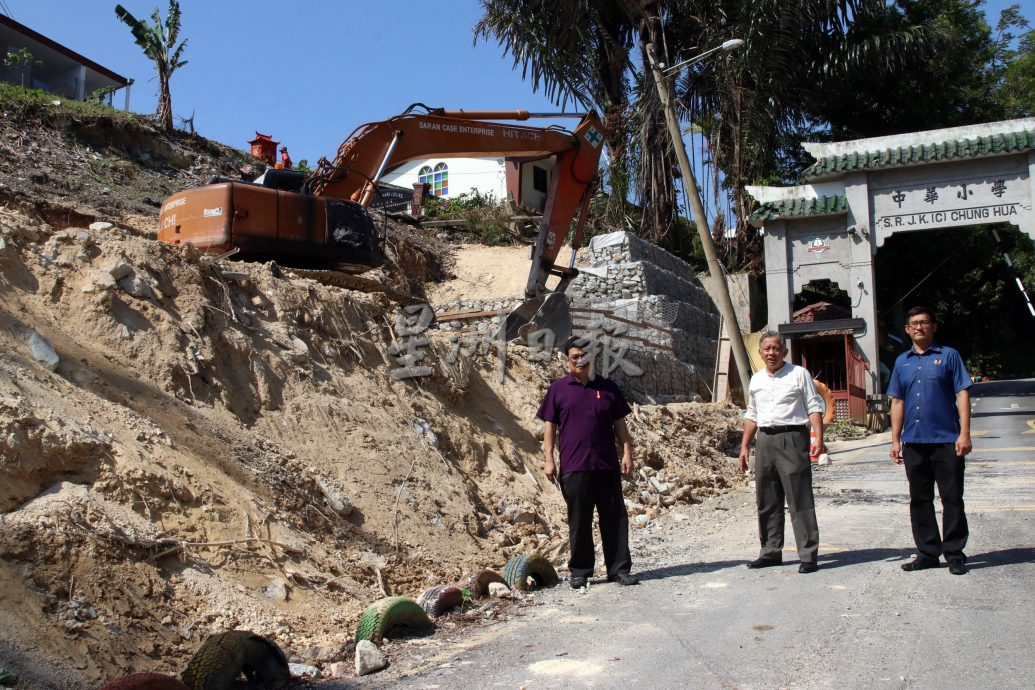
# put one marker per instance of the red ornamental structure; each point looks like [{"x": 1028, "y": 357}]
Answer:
[{"x": 264, "y": 148}]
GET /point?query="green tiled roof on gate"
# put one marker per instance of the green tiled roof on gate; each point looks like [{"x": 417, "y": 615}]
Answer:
[
  {"x": 955, "y": 149},
  {"x": 798, "y": 208}
]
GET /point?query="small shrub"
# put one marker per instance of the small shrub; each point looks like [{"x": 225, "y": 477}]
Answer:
[
  {"x": 488, "y": 220},
  {"x": 842, "y": 428}
]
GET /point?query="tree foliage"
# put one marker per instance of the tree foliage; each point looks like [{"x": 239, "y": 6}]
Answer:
[
  {"x": 158, "y": 41},
  {"x": 584, "y": 59},
  {"x": 961, "y": 274},
  {"x": 1015, "y": 63},
  {"x": 744, "y": 104},
  {"x": 21, "y": 61}
]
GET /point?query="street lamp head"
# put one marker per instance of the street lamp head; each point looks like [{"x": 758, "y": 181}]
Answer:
[{"x": 731, "y": 44}]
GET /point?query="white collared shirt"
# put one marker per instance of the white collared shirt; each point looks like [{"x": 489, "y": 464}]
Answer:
[{"x": 785, "y": 398}]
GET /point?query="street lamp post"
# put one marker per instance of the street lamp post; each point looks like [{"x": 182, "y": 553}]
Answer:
[{"x": 725, "y": 304}]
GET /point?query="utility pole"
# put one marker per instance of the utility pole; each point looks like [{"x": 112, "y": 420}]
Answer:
[{"x": 725, "y": 304}]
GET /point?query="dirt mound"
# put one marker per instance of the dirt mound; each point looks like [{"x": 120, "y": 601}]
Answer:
[{"x": 190, "y": 445}]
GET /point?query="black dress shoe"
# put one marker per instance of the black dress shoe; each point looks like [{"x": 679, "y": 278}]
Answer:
[
  {"x": 807, "y": 567},
  {"x": 920, "y": 563},
  {"x": 765, "y": 562},
  {"x": 578, "y": 582},
  {"x": 624, "y": 579},
  {"x": 958, "y": 566}
]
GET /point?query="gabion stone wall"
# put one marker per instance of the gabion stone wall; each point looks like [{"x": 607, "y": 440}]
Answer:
[
  {"x": 647, "y": 302},
  {"x": 678, "y": 325},
  {"x": 501, "y": 305}
]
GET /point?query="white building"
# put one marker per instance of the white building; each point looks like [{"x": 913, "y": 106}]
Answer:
[{"x": 527, "y": 182}]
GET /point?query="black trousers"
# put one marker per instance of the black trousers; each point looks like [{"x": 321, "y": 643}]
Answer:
[
  {"x": 600, "y": 489},
  {"x": 928, "y": 464},
  {"x": 783, "y": 472}
]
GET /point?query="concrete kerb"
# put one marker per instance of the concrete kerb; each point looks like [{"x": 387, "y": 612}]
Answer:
[{"x": 844, "y": 449}]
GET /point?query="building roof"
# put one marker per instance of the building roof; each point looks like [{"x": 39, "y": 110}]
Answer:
[
  {"x": 6, "y": 21},
  {"x": 917, "y": 148},
  {"x": 821, "y": 311},
  {"x": 263, "y": 137},
  {"x": 828, "y": 327},
  {"x": 801, "y": 207}
]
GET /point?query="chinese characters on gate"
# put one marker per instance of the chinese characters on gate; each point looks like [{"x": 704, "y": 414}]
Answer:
[
  {"x": 602, "y": 343},
  {"x": 953, "y": 203}
]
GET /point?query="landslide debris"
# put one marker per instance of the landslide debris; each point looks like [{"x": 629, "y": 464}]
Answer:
[{"x": 219, "y": 445}]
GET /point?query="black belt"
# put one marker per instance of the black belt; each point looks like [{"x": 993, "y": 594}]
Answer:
[{"x": 783, "y": 429}]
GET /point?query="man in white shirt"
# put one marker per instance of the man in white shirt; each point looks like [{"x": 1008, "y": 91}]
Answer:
[{"x": 782, "y": 403}]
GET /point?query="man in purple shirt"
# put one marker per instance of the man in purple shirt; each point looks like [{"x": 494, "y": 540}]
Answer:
[
  {"x": 587, "y": 413},
  {"x": 930, "y": 432}
]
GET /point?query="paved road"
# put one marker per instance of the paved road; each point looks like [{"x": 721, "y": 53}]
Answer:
[{"x": 701, "y": 619}]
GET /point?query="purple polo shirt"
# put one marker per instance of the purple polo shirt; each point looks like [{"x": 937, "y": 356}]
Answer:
[{"x": 585, "y": 417}]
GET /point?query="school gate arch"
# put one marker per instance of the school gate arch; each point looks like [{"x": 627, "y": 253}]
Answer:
[{"x": 859, "y": 193}]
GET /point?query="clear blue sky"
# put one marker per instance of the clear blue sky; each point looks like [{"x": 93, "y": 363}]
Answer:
[{"x": 306, "y": 72}]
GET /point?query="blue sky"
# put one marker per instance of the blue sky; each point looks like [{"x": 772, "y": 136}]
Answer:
[{"x": 305, "y": 71}]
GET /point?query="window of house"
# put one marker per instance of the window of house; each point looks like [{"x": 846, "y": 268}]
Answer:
[
  {"x": 436, "y": 178},
  {"x": 539, "y": 179}
]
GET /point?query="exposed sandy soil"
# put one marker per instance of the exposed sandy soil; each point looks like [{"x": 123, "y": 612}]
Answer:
[
  {"x": 219, "y": 452},
  {"x": 483, "y": 273}
]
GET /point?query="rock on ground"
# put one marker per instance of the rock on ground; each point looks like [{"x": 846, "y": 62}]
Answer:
[{"x": 369, "y": 658}]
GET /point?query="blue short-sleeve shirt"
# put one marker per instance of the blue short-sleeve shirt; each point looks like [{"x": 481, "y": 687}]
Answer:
[
  {"x": 585, "y": 417},
  {"x": 927, "y": 384}
]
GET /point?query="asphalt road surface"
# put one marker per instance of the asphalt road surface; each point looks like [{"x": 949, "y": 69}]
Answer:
[{"x": 700, "y": 619}]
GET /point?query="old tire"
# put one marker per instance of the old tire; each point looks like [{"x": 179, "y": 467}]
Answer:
[
  {"x": 146, "y": 681},
  {"x": 480, "y": 581},
  {"x": 224, "y": 656},
  {"x": 438, "y": 599},
  {"x": 525, "y": 565},
  {"x": 389, "y": 614}
]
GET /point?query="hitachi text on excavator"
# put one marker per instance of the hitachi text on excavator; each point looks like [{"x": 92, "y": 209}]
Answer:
[{"x": 322, "y": 219}]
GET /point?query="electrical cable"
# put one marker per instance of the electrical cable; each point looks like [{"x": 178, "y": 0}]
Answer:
[{"x": 922, "y": 281}]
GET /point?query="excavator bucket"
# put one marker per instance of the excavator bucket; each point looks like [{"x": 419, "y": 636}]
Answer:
[{"x": 546, "y": 312}]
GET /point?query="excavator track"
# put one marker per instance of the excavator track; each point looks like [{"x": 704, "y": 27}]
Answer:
[{"x": 353, "y": 282}]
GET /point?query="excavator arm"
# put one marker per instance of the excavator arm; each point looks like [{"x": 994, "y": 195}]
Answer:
[{"x": 374, "y": 148}]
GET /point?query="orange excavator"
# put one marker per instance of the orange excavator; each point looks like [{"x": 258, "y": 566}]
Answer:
[{"x": 322, "y": 220}]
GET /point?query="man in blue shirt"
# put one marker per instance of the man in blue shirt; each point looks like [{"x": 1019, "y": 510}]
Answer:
[{"x": 930, "y": 432}]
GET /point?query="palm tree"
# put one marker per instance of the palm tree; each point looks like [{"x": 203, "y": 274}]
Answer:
[
  {"x": 750, "y": 108},
  {"x": 159, "y": 44},
  {"x": 796, "y": 54},
  {"x": 576, "y": 51}
]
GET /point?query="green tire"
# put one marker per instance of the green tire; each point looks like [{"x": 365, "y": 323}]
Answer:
[
  {"x": 388, "y": 614},
  {"x": 529, "y": 565}
]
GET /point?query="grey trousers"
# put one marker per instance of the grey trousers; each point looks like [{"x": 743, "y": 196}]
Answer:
[{"x": 783, "y": 471}]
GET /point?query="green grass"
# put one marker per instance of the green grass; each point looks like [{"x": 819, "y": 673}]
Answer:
[
  {"x": 20, "y": 104},
  {"x": 487, "y": 219}
]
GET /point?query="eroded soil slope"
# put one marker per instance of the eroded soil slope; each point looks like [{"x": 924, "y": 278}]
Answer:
[{"x": 221, "y": 445}]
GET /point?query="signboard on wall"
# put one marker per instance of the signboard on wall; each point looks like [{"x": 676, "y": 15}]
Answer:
[{"x": 951, "y": 203}]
